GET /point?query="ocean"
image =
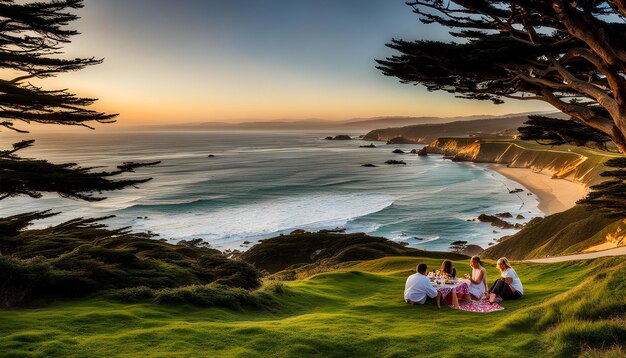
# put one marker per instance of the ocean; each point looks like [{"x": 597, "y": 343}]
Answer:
[{"x": 260, "y": 184}]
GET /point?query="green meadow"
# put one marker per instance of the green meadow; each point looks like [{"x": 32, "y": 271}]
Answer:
[{"x": 575, "y": 308}]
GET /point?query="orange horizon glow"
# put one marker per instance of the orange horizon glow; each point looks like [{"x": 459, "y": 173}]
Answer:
[{"x": 223, "y": 62}]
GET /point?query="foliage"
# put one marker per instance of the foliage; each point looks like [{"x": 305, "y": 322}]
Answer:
[
  {"x": 32, "y": 36},
  {"x": 82, "y": 257},
  {"x": 31, "y": 39},
  {"x": 570, "y": 54},
  {"x": 31, "y": 177},
  {"x": 610, "y": 196},
  {"x": 552, "y": 131},
  {"x": 458, "y": 246}
]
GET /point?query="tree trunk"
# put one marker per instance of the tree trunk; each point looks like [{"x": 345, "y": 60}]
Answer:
[{"x": 618, "y": 138}]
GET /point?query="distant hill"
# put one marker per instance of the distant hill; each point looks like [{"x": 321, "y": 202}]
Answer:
[
  {"x": 388, "y": 122},
  {"x": 426, "y": 133},
  {"x": 352, "y": 125}
]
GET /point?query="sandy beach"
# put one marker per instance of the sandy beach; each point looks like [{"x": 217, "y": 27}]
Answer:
[{"x": 555, "y": 195}]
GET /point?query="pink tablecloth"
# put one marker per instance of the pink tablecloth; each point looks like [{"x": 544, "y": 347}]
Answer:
[
  {"x": 479, "y": 306},
  {"x": 461, "y": 286}
]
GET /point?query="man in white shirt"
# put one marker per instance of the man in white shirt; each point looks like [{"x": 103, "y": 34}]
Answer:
[{"x": 418, "y": 287}]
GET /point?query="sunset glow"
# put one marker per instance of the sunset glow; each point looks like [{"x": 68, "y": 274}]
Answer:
[{"x": 195, "y": 61}]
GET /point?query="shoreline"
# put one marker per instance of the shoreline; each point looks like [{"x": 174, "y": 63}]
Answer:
[{"x": 554, "y": 195}]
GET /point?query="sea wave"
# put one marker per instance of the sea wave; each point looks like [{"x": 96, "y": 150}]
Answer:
[{"x": 264, "y": 218}]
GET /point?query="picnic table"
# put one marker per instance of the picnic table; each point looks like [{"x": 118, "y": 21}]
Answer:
[{"x": 456, "y": 286}]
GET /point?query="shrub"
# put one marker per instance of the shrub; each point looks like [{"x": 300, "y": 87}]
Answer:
[
  {"x": 133, "y": 294},
  {"x": 212, "y": 295},
  {"x": 82, "y": 257}
]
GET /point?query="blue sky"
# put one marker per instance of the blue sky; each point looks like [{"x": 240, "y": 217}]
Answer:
[{"x": 219, "y": 60}]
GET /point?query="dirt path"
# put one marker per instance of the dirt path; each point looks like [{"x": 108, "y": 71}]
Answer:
[{"x": 590, "y": 255}]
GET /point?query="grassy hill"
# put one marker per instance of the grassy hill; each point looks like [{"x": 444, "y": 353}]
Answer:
[
  {"x": 302, "y": 254},
  {"x": 563, "y": 233},
  {"x": 569, "y": 309}
]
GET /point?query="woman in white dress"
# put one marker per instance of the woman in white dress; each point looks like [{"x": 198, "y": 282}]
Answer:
[{"x": 478, "y": 284}]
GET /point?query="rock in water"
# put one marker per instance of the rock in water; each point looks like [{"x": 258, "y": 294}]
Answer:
[
  {"x": 401, "y": 140},
  {"x": 504, "y": 215},
  {"x": 371, "y": 145},
  {"x": 394, "y": 162},
  {"x": 339, "y": 137},
  {"x": 398, "y": 151},
  {"x": 520, "y": 217},
  {"x": 423, "y": 152},
  {"x": 370, "y": 165},
  {"x": 516, "y": 190},
  {"x": 497, "y": 222}
]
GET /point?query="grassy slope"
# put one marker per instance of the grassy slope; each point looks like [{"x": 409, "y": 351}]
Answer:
[
  {"x": 559, "y": 234},
  {"x": 357, "y": 311}
]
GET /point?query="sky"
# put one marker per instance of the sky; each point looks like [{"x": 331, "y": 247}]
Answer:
[{"x": 224, "y": 60}]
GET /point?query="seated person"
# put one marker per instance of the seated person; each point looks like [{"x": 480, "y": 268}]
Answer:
[
  {"x": 478, "y": 280},
  {"x": 508, "y": 286},
  {"x": 447, "y": 268},
  {"x": 418, "y": 287}
]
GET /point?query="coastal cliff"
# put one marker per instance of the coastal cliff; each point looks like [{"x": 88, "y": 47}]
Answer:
[
  {"x": 572, "y": 231},
  {"x": 580, "y": 165}
]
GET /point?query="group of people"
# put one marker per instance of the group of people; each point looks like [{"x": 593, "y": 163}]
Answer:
[{"x": 508, "y": 287}]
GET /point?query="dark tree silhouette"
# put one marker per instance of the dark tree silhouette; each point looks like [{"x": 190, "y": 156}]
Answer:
[
  {"x": 610, "y": 196},
  {"x": 552, "y": 131},
  {"x": 570, "y": 54},
  {"x": 31, "y": 39},
  {"x": 458, "y": 246},
  {"x": 32, "y": 177}
]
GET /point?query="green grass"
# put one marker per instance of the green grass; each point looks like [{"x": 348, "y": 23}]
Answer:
[
  {"x": 562, "y": 233},
  {"x": 354, "y": 311}
]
